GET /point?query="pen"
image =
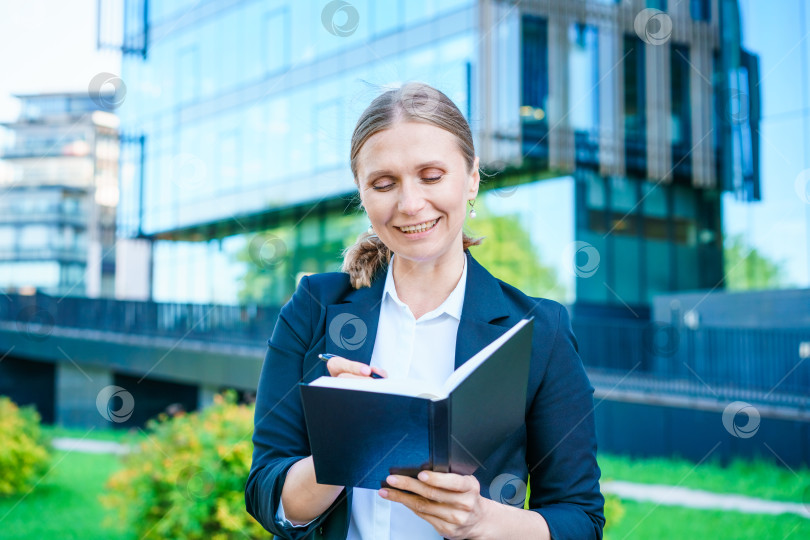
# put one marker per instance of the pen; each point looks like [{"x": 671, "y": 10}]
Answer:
[{"x": 326, "y": 356}]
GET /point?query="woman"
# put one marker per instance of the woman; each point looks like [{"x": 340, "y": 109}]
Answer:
[{"x": 419, "y": 306}]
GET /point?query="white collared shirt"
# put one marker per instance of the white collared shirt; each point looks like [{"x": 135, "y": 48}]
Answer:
[{"x": 422, "y": 349}]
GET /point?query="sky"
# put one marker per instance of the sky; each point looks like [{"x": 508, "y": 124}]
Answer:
[
  {"x": 50, "y": 45},
  {"x": 779, "y": 225}
]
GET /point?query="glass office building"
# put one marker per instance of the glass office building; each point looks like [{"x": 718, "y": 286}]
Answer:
[
  {"x": 607, "y": 134},
  {"x": 58, "y": 196}
]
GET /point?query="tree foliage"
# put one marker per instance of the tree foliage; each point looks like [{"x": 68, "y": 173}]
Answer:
[{"x": 747, "y": 268}]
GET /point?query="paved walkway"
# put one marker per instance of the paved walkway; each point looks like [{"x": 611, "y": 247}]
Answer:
[
  {"x": 659, "y": 494},
  {"x": 706, "y": 500},
  {"x": 89, "y": 446}
]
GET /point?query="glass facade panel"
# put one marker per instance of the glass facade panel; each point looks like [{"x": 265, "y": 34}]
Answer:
[
  {"x": 701, "y": 10},
  {"x": 634, "y": 89},
  {"x": 43, "y": 275},
  {"x": 657, "y": 266},
  {"x": 584, "y": 77},
  {"x": 250, "y": 112},
  {"x": 626, "y": 271},
  {"x": 535, "y": 88},
  {"x": 528, "y": 232},
  {"x": 7, "y": 238},
  {"x": 681, "y": 117}
]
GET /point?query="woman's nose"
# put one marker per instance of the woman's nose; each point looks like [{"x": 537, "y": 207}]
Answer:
[{"x": 411, "y": 199}]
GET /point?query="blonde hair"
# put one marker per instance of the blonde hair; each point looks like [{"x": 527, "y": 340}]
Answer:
[{"x": 414, "y": 102}]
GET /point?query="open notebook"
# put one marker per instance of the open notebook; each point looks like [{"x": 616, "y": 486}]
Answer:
[{"x": 362, "y": 430}]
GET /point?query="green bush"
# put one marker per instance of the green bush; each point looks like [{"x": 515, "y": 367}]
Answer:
[
  {"x": 24, "y": 453},
  {"x": 187, "y": 479}
]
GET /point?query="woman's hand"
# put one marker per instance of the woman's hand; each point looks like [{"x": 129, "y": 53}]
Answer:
[
  {"x": 343, "y": 367},
  {"x": 452, "y": 503}
]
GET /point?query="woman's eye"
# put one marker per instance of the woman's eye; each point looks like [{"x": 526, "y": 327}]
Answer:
[
  {"x": 433, "y": 179},
  {"x": 382, "y": 188}
]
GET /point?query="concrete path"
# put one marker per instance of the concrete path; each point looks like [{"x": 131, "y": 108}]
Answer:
[
  {"x": 659, "y": 494},
  {"x": 706, "y": 500},
  {"x": 89, "y": 446}
]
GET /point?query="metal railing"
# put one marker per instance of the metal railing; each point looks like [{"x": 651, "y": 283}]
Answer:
[
  {"x": 765, "y": 364},
  {"x": 243, "y": 325}
]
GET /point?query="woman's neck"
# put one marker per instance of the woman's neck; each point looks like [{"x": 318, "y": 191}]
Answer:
[{"x": 423, "y": 286}]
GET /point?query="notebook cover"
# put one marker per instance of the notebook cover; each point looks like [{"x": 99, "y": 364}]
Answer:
[{"x": 358, "y": 438}]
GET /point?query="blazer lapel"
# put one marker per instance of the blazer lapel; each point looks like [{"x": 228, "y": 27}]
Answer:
[
  {"x": 483, "y": 304},
  {"x": 351, "y": 326}
]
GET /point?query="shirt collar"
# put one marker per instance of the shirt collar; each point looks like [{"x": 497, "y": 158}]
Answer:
[{"x": 452, "y": 304}]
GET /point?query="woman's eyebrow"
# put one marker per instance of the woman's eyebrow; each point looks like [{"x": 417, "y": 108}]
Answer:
[
  {"x": 379, "y": 173},
  {"x": 434, "y": 163}
]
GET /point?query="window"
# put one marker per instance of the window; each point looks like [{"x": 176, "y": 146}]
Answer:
[
  {"x": 535, "y": 68},
  {"x": 635, "y": 124},
  {"x": 326, "y": 127},
  {"x": 35, "y": 236},
  {"x": 681, "y": 118},
  {"x": 7, "y": 235},
  {"x": 583, "y": 84},
  {"x": 701, "y": 10},
  {"x": 634, "y": 88},
  {"x": 276, "y": 47},
  {"x": 188, "y": 74}
]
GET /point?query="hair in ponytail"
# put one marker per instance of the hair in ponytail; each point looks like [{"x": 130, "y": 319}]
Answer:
[{"x": 414, "y": 102}]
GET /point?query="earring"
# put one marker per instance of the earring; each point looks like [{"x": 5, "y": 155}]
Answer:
[{"x": 472, "y": 210}]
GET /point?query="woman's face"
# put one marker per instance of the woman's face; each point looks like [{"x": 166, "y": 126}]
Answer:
[{"x": 415, "y": 174}]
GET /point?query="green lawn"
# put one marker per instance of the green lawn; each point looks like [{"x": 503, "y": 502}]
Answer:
[
  {"x": 65, "y": 503},
  {"x": 754, "y": 479},
  {"x": 645, "y": 521}
]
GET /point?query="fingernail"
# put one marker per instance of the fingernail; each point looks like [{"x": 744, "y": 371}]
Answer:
[
  {"x": 365, "y": 370},
  {"x": 423, "y": 476},
  {"x": 391, "y": 480},
  {"x": 383, "y": 493}
]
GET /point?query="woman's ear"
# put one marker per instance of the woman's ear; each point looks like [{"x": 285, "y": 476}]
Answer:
[{"x": 475, "y": 180}]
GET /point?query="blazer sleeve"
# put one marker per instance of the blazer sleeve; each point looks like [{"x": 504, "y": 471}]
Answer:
[
  {"x": 279, "y": 435},
  {"x": 561, "y": 446}
]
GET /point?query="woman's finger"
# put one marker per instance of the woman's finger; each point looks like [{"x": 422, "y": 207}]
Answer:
[{"x": 338, "y": 365}]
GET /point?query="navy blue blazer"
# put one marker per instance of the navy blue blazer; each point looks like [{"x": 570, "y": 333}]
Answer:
[{"x": 556, "y": 448}]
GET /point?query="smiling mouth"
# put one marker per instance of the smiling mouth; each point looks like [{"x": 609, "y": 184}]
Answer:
[{"x": 419, "y": 228}]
